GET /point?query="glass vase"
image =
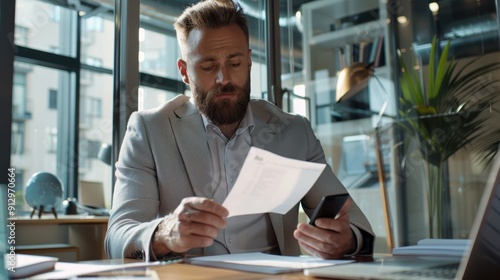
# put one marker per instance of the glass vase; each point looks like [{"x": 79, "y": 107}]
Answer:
[{"x": 438, "y": 200}]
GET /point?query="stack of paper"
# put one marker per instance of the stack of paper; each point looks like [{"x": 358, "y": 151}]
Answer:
[{"x": 435, "y": 247}]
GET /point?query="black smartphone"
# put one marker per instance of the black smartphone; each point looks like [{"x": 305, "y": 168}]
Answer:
[{"x": 329, "y": 207}]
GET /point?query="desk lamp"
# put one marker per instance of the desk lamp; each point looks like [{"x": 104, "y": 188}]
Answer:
[{"x": 351, "y": 81}]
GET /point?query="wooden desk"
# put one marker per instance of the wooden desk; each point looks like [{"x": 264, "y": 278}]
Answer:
[
  {"x": 181, "y": 271},
  {"x": 85, "y": 232}
]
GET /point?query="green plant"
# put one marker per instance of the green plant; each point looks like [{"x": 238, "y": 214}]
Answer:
[{"x": 448, "y": 112}]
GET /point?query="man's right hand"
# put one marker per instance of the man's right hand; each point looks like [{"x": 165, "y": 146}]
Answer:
[{"x": 195, "y": 223}]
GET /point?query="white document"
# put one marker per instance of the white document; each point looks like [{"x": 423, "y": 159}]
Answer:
[
  {"x": 300, "y": 262},
  {"x": 65, "y": 270},
  {"x": 263, "y": 263},
  {"x": 270, "y": 183}
]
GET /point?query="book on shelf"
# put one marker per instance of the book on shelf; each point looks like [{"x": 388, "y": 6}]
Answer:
[
  {"x": 379, "y": 52},
  {"x": 363, "y": 47},
  {"x": 373, "y": 50},
  {"x": 356, "y": 49},
  {"x": 348, "y": 54},
  {"x": 435, "y": 247},
  {"x": 337, "y": 59}
]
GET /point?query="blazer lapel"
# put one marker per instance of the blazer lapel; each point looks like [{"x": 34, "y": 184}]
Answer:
[
  {"x": 191, "y": 140},
  {"x": 266, "y": 130}
]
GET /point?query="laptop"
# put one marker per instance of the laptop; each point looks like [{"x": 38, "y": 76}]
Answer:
[{"x": 480, "y": 261}]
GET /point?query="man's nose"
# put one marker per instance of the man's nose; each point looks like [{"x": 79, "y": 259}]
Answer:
[{"x": 223, "y": 76}]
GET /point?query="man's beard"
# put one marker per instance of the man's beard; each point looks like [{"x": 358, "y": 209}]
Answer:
[{"x": 223, "y": 111}]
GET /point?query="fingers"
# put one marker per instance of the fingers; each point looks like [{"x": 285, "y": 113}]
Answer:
[
  {"x": 319, "y": 242},
  {"x": 203, "y": 205},
  {"x": 183, "y": 236},
  {"x": 202, "y": 210},
  {"x": 323, "y": 243},
  {"x": 195, "y": 223},
  {"x": 345, "y": 208},
  {"x": 317, "y": 253},
  {"x": 200, "y": 217},
  {"x": 330, "y": 238},
  {"x": 342, "y": 219}
]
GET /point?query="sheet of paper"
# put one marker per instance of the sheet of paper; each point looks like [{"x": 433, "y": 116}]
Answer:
[
  {"x": 65, "y": 270},
  {"x": 270, "y": 183},
  {"x": 264, "y": 260}
]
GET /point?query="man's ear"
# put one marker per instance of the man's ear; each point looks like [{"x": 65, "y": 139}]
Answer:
[
  {"x": 182, "y": 66},
  {"x": 250, "y": 58}
]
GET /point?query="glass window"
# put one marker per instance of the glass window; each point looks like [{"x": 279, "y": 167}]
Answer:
[
  {"x": 158, "y": 53},
  {"x": 96, "y": 100},
  {"x": 44, "y": 25},
  {"x": 35, "y": 127},
  {"x": 43, "y": 97},
  {"x": 97, "y": 41},
  {"x": 96, "y": 123},
  {"x": 255, "y": 11}
]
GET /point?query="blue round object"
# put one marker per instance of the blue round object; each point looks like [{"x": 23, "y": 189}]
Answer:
[{"x": 43, "y": 189}]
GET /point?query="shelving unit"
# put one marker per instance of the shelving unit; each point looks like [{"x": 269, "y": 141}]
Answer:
[
  {"x": 335, "y": 32},
  {"x": 332, "y": 27}
]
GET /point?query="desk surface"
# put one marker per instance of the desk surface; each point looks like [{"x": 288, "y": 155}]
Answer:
[{"x": 62, "y": 219}]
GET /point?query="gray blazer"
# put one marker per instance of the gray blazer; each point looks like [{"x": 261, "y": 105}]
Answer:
[{"x": 164, "y": 158}]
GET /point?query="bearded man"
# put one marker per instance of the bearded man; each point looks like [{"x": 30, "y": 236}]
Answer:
[{"x": 178, "y": 162}]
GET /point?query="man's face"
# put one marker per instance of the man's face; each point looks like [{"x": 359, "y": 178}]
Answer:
[{"x": 216, "y": 64}]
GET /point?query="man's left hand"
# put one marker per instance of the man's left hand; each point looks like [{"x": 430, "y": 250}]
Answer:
[{"x": 330, "y": 238}]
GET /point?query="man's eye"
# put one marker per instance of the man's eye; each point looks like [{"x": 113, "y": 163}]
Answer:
[
  {"x": 208, "y": 68},
  {"x": 235, "y": 64}
]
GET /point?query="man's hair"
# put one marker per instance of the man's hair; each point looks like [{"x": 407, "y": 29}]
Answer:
[{"x": 210, "y": 14}]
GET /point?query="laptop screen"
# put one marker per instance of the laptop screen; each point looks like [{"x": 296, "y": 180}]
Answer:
[{"x": 483, "y": 261}]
